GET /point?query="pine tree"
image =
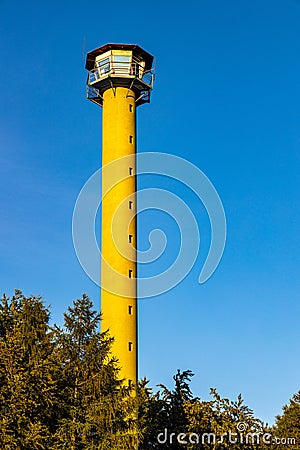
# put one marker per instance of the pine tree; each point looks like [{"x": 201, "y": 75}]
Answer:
[
  {"x": 60, "y": 390},
  {"x": 97, "y": 407},
  {"x": 28, "y": 379},
  {"x": 152, "y": 416},
  {"x": 287, "y": 426},
  {"x": 163, "y": 410},
  {"x": 170, "y": 416},
  {"x": 59, "y": 387}
]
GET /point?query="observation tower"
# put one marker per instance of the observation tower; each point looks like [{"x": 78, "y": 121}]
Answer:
[{"x": 120, "y": 78}]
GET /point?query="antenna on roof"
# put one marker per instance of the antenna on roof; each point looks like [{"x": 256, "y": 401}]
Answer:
[{"x": 84, "y": 49}]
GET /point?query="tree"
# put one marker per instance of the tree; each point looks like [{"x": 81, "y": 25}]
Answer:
[
  {"x": 223, "y": 424},
  {"x": 287, "y": 426},
  {"x": 152, "y": 416},
  {"x": 59, "y": 387},
  {"x": 163, "y": 411},
  {"x": 97, "y": 407},
  {"x": 28, "y": 379},
  {"x": 170, "y": 419},
  {"x": 60, "y": 390}
]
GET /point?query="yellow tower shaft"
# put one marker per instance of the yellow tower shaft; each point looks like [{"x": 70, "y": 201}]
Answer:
[{"x": 119, "y": 314}]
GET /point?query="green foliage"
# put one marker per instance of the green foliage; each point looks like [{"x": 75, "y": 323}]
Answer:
[
  {"x": 152, "y": 416},
  {"x": 177, "y": 413},
  {"x": 287, "y": 426},
  {"x": 226, "y": 420},
  {"x": 96, "y": 406},
  {"x": 59, "y": 387},
  {"x": 164, "y": 409},
  {"x": 28, "y": 382},
  {"x": 59, "y": 390}
]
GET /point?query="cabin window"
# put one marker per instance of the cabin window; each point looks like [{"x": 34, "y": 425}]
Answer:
[
  {"x": 103, "y": 65},
  {"x": 121, "y": 63}
]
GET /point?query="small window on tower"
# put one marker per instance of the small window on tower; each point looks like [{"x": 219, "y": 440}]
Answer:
[
  {"x": 131, "y": 139},
  {"x": 130, "y": 309},
  {"x": 130, "y": 108},
  {"x": 130, "y": 345},
  {"x": 130, "y": 170},
  {"x": 130, "y": 238},
  {"x": 130, "y": 273},
  {"x": 130, "y": 204}
]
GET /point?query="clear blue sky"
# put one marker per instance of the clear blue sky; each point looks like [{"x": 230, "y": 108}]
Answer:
[{"x": 227, "y": 99}]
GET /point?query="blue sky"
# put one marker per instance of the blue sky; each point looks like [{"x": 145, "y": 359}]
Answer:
[{"x": 227, "y": 99}]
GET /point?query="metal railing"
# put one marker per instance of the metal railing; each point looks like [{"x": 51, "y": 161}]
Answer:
[
  {"x": 122, "y": 69},
  {"x": 92, "y": 93}
]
